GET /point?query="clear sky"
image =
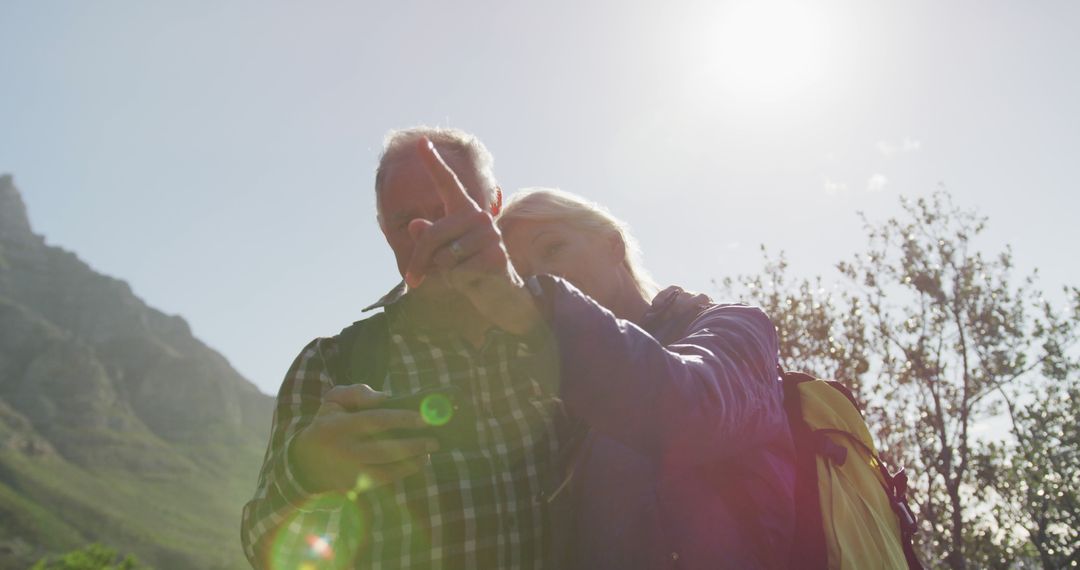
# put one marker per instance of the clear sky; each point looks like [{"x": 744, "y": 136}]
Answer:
[{"x": 219, "y": 156}]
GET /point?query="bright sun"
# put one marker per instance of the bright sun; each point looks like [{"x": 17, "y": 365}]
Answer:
[{"x": 768, "y": 50}]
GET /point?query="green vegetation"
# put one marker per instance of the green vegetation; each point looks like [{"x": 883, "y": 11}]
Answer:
[
  {"x": 90, "y": 557},
  {"x": 176, "y": 521},
  {"x": 942, "y": 343}
]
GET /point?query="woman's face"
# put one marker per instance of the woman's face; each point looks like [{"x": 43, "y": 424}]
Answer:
[{"x": 590, "y": 260}]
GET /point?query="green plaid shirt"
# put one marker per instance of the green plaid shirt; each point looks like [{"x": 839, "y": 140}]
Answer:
[{"x": 469, "y": 508}]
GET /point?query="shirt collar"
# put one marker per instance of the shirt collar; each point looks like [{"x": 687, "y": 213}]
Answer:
[
  {"x": 393, "y": 296},
  {"x": 404, "y": 311}
]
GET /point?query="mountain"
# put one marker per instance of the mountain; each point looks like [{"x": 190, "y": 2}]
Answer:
[{"x": 117, "y": 425}]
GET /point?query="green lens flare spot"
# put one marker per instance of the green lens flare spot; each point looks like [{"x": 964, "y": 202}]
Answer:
[
  {"x": 363, "y": 483},
  {"x": 436, "y": 409}
]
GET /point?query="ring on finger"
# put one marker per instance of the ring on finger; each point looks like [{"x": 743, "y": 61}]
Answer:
[{"x": 456, "y": 250}]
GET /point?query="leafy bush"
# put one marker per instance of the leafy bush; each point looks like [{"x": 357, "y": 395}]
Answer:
[{"x": 90, "y": 557}]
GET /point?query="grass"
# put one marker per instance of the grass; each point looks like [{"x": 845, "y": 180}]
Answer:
[{"x": 186, "y": 520}]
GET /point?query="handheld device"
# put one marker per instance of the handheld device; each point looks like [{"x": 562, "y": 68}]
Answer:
[{"x": 446, "y": 411}]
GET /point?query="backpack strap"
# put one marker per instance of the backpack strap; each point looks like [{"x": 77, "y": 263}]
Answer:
[
  {"x": 808, "y": 550},
  {"x": 363, "y": 353},
  {"x": 896, "y": 489}
]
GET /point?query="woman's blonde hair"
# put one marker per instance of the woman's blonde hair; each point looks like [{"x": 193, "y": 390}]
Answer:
[{"x": 554, "y": 205}]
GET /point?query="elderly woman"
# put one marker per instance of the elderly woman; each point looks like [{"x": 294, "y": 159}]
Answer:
[{"x": 689, "y": 461}]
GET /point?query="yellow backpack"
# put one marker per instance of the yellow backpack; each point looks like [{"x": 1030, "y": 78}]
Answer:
[{"x": 851, "y": 512}]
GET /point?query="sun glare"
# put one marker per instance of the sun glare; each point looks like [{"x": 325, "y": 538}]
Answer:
[{"x": 768, "y": 50}]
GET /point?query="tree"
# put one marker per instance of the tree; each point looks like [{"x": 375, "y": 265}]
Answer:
[
  {"x": 937, "y": 339},
  {"x": 820, "y": 329},
  {"x": 1036, "y": 474}
]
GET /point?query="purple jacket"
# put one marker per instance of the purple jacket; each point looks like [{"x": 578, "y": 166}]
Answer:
[{"x": 689, "y": 461}]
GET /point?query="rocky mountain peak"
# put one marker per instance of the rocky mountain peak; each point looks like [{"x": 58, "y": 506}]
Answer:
[
  {"x": 114, "y": 418},
  {"x": 14, "y": 222}
]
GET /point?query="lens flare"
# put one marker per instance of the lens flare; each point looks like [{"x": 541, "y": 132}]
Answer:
[
  {"x": 436, "y": 409},
  {"x": 364, "y": 482},
  {"x": 327, "y": 533},
  {"x": 320, "y": 547}
]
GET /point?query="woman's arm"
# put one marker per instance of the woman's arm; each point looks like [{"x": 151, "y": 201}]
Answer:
[{"x": 711, "y": 394}]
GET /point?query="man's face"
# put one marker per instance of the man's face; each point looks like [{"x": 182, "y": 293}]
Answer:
[{"x": 408, "y": 193}]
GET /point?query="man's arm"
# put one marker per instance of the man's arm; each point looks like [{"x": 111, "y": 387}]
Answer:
[
  {"x": 279, "y": 495},
  {"x": 320, "y": 445}
]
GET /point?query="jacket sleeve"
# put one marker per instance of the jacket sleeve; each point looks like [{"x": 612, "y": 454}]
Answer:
[
  {"x": 709, "y": 395},
  {"x": 282, "y": 517}
]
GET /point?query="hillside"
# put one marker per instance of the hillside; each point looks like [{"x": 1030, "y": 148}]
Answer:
[{"x": 116, "y": 424}]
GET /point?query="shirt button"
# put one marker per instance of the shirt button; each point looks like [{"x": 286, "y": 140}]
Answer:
[{"x": 675, "y": 556}]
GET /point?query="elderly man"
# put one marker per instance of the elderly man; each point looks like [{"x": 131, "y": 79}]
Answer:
[{"x": 351, "y": 480}]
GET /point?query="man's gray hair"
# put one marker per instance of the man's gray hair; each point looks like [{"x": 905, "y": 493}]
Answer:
[{"x": 399, "y": 143}]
